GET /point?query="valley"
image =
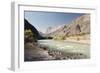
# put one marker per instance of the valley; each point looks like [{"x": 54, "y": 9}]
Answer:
[{"x": 64, "y": 42}]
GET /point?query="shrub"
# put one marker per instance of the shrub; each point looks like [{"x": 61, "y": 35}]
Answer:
[
  {"x": 29, "y": 36},
  {"x": 61, "y": 37}
]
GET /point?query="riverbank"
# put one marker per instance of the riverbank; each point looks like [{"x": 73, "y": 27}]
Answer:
[
  {"x": 78, "y": 41},
  {"x": 35, "y": 52},
  {"x": 84, "y": 39}
]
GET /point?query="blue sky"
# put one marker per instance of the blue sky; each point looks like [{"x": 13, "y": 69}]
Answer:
[{"x": 42, "y": 20}]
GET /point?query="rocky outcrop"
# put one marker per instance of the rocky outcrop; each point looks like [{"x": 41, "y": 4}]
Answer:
[{"x": 80, "y": 26}]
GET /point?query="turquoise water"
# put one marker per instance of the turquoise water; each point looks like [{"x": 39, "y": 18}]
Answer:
[{"x": 65, "y": 46}]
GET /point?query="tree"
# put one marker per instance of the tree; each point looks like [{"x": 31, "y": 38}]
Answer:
[{"x": 29, "y": 36}]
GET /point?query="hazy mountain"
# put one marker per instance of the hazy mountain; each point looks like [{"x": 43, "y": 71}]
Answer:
[{"x": 53, "y": 29}]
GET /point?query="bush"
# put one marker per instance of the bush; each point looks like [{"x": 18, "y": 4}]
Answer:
[
  {"x": 29, "y": 36},
  {"x": 59, "y": 37}
]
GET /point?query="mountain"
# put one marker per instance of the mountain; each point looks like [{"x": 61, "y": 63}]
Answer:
[
  {"x": 79, "y": 26},
  {"x": 53, "y": 29},
  {"x": 27, "y": 26}
]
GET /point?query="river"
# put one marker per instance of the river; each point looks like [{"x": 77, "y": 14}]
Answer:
[{"x": 66, "y": 46}]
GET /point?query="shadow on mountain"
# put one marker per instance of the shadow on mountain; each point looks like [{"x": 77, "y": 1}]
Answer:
[{"x": 28, "y": 26}]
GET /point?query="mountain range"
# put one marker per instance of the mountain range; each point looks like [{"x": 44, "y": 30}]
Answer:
[{"x": 79, "y": 26}]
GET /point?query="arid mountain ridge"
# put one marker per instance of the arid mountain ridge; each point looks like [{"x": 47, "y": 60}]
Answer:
[{"x": 79, "y": 26}]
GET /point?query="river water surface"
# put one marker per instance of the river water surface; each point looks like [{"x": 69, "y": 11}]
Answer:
[{"x": 66, "y": 46}]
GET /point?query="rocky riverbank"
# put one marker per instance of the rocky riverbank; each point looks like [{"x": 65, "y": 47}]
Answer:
[{"x": 33, "y": 52}]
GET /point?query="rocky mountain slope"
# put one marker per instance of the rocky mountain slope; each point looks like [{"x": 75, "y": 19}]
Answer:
[
  {"x": 79, "y": 26},
  {"x": 28, "y": 26}
]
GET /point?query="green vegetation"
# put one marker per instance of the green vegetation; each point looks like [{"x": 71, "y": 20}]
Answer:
[
  {"x": 65, "y": 26},
  {"x": 29, "y": 36},
  {"x": 49, "y": 37},
  {"x": 61, "y": 37}
]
